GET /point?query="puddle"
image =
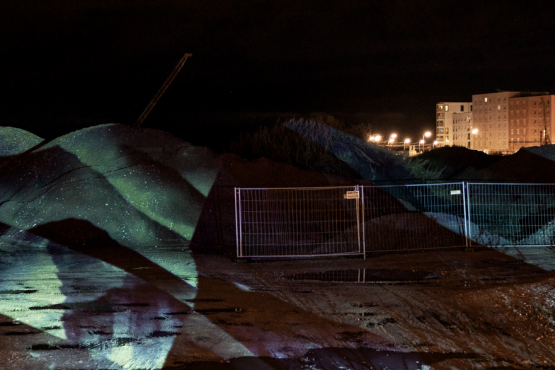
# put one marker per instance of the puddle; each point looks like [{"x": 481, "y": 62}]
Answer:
[
  {"x": 368, "y": 276},
  {"x": 337, "y": 358}
]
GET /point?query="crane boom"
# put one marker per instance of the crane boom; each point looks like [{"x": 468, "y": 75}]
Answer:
[{"x": 162, "y": 90}]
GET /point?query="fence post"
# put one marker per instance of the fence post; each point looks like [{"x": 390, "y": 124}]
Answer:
[
  {"x": 465, "y": 191},
  {"x": 361, "y": 192},
  {"x": 467, "y": 216},
  {"x": 238, "y": 237}
]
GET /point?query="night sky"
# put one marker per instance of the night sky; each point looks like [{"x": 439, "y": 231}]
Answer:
[{"x": 71, "y": 64}]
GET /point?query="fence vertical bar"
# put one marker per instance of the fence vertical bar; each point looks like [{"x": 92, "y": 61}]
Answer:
[
  {"x": 465, "y": 215},
  {"x": 237, "y": 221},
  {"x": 469, "y": 214},
  {"x": 361, "y": 189}
]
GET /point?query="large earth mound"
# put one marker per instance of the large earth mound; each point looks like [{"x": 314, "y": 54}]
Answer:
[{"x": 140, "y": 187}]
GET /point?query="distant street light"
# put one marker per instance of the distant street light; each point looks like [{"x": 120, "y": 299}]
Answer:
[
  {"x": 371, "y": 138},
  {"x": 473, "y": 132},
  {"x": 378, "y": 138},
  {"x": 407, "y": 141},
  {"x": 423, "y": 141}
]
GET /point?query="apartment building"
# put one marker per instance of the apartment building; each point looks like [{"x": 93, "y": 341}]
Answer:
[
  {"x": 531, "y": 119},
  {"x": 444, "y": 120},
  {"x": 491, "y": 119},
  {"x": 462, "y": 129}
]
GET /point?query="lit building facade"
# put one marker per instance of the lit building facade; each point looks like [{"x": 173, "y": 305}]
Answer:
[
  {"x": 530, "y": 120},
  {"x": 462, "y": 129},
  {"x": 444, "y": 120},
  {"x": 491, "y": 118}
]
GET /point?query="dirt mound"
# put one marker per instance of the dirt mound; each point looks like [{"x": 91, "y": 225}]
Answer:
[
  {"x": 142, "y": 187},
  {"x": 456, "y": 159},
  {"x": 523, "y": 167},
  {"x": 215, "y": 231},
  {"x": 15, "y": 141}
]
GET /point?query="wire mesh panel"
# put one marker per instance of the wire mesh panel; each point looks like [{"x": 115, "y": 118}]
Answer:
[
  {"x": 297, "y": 222},
  {"x": 511, "y": 214},
  {"x": 413, "y": 217}
]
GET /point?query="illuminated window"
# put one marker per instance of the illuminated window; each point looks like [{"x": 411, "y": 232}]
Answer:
[
  {"x": 498, "y": 106},
  {"x": 446, "y": 108},
  {"x": 517, "y": 131},
  {"x": 512, "y": 131},
  {"x": 485, "y": 99}
]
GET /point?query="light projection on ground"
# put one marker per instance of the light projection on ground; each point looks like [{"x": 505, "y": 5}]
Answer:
[{"x": 114, "y": 208}]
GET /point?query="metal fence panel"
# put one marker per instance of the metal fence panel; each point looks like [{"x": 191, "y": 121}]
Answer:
[
  {"x": 414, "y": 217},
  {"x": 298, "y": 222},
  {"x": 511, "y": 214}
]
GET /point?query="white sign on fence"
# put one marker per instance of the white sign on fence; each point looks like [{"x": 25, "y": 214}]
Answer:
[{"x": 351, "y": 195}]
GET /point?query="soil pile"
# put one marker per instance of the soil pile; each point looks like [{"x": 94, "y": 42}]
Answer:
[
  {"x": 15, "y": 141},
  {"x": 142, "y": 187},
  {"x": 528, "y": 165},
  {"x": 453, "y": 160}
]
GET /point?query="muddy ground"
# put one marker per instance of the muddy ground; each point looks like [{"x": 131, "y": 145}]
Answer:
[{"x": 443, "y": 309}]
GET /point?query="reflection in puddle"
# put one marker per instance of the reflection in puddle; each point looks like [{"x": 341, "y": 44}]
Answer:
[{"x": 367, "y": 276}]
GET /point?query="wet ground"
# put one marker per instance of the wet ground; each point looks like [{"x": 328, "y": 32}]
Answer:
[{"x": 165, "y": 307}]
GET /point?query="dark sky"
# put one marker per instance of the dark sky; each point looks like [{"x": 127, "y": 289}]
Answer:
[{"x": 70, "y": 64}]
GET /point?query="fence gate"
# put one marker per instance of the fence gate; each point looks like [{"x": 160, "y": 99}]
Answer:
[
  {"x": 511, "y": 214},
  {"x": 414, "y": 217},
  {"x": 300, "y": 222}
]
